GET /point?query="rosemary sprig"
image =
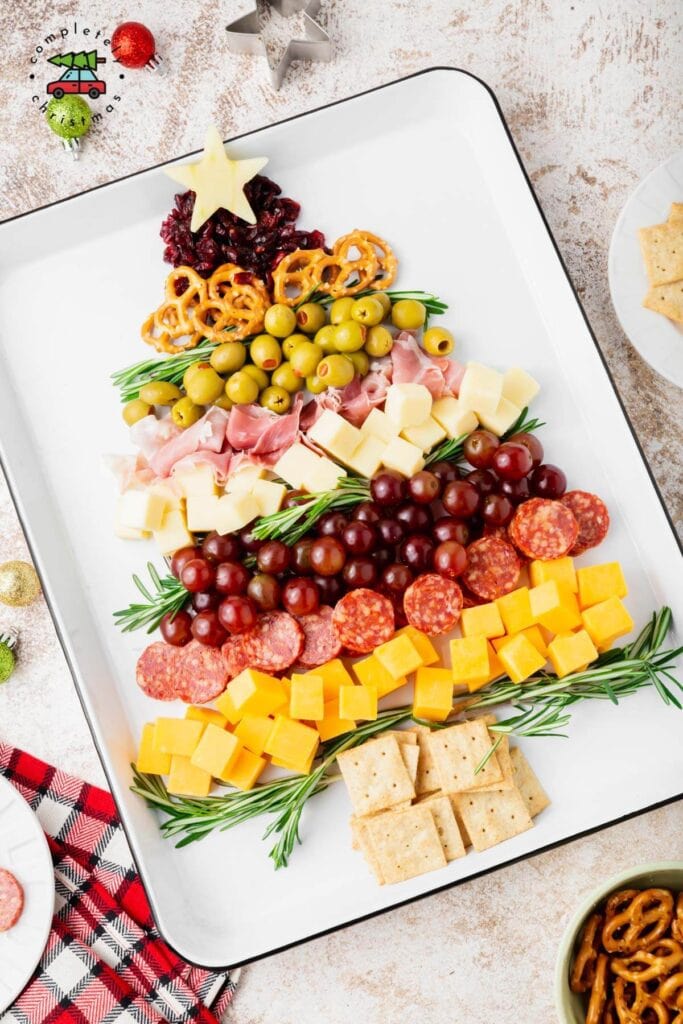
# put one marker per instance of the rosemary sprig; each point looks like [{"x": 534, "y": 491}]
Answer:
[
  {"x": 165, "y": 595},
  {"x": 290, "y": 524},
  {"x": 170, "y": 368}
]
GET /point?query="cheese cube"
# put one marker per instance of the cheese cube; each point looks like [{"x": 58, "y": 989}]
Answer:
[
  {"x": 324, "y": 477},
  {"x": 425, "y": 435},
  {"x": 598, "y": 582},
  {"x": 481, "y": 389},
  {"x": 296, "y": 464},
  {"x": 245, "y": 771},
  {"x": 127, "y": 532},
  {"x": 358, "y": 703},
  {"x": 202, "y": 512},
  {"x": 515, "y": 610},
  {"x": 519, "y": 387},
  {"x": 334, "y": 675},
  {"x": 502, "y": 419},
  {"x": 404, "y": 457},
  {"x": 470, "y": 661},
  {"x": 244, "y": 478},
  {"x": 234, "y": 512},
  {"x": 253, "y": 731},
  {"x": 495, "y": 670},
  {"x": 408, "y": 404},
  {"x": 520, "y": 659},
  {"x": 168, "y": 493},
  {"x": 332, "y": 725},
  {"x": 377, "y": 424},
  {"x": 216, "y": 751},
  {"x": 455, "y": 419},
  {"x": 141, "y": 510},
  {"x": 606, "y": 621},
  {"x": 306, "y": 698},
  {"x": 482, "y": 620},
  {"x": 150, "y": 760},
  {"x": 301, "y": 767},
  {"x": 268, "y": 496},
  {"x": 173, "y": 533},
  {"x": 336, "y": 435},
  {"x": 571, "y": 652},
  {"x": 422, "y": 643},
  {"x": 186, "y": 779},
  {"x": 292, "y": 742},
  {"x": 283, "y": 708},
  {"x": 197, "y": 481},
  {"x": 206, "y": 715},
  {"x": 368, "y": 456},
  {"x": 228, "y": 709},
  {"x": 177, "y": 735},
  {"x": 371, "y": 673},
  {"x": 555, "y": 607},
  {"x": 560, "y": 569},
  {"x": 532, "y": 633},
  {"x": 253, "y": 693},
  {"x": 433, "y": 697},
  {"x": 398, "y": 656}
]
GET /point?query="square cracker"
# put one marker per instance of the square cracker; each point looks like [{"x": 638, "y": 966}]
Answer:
[
  {"x": 491, "y": 818},
  {"x": 503, "y": 755},
  {"x": 360, "y": 841},
  {"x": 458, "y": 750},
  {"x": 427, "y": 780},
  {"x": 662, "y": 248},
  {"x": 446, "y": 825},
  {"x": 411, "y": 757},
  {"x": 403, "y": 736},
  {"x": 356, "y": 821},
  {"x": 533, "y": 794},
  {"x": 405, "y": 843},
  {"x": 453, "y": 799},
  {"x": 676, "y": 213},
  {"x": 375, "y": 775},
  {"x": 666, "y": 299}
]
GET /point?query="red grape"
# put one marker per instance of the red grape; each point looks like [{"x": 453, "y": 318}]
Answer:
[
  {"x": 219, "y": 547},
  {"x": 515, "y": 491},
  {"x": 548, "y": 481},
  {"x": 264, "y": 590},
  {"x": 484, "y": 480},
  {"x": 249, "y": 542},
  {"x": 496, "y": 510},
  {"x": 367, "y": 512},
  {"x": 232, "y": 578},
  {"x": 237, "y": 613},
  {"x": 176, "y": 629},
  {"x": 391, "y": 531},
  {"x": 480, "y": 447},
  {"x": 207, "y": 628},
  {"x": 461, "y": 499},
  {"x": 424, "y": 487},
  {"x": 181, "y": 558},
  {"x": 450, "y": 559},
  {"x": 301, "y": 556},
  {"x": 512, "y": 461},
  {"x": 331, "y": 524},
  {"x": 418, "y": 552},
  {"x": 205, "y": 600},
  {"x": 382, "y": 557},
  {"x": 531, "y": 442},
  {"x": 446, "y": 472},
  {"x": 359, "y": 572},
  {"x": 397, "y": 578},
  {"x": 293, "y": 498},
  {"x": 359, "y": 537},
  {"x": 328, "y": 556},
  {"x": 300, "y": 596},
  {"x": 329, "y": 589},
  {"x": 197, "y": 574},
  {"x": 387, "y": 488},
  {"x": 448, "y": 528},
  {"x": 414, "y": 518},
  {"x": 273, "y": 557}
]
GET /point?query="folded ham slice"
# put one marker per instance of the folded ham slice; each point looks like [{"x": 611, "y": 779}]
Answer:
[
  {"x": 206, "y": 435},
  {"x": 264, "y": 434},
  {"x": 413, "y": 366}
]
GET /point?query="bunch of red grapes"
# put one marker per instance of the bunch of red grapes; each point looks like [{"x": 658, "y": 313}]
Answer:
[{"x": 422, "y": 524}]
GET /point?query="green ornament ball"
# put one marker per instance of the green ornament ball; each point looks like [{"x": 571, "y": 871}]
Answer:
[
  {"x": 68, "y": 117},
  {"x": 6, "y": 663}
]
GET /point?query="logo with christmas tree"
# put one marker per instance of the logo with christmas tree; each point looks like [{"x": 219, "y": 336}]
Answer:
[{"x": 80, "y": 76}]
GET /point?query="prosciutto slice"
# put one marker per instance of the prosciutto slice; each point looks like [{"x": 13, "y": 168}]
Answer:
[
  {"x": 413, "y": 366},
  {"x": 150, "y": 434},
  {"x": 453, "y": 373},
  {"x": 206, "y": 435},
  {"x": 361, "y": 395},
  {"x": 264, "y": 434}
]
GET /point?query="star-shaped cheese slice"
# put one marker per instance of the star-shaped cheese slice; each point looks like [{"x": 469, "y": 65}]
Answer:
[{"x": 217, "y": 181}]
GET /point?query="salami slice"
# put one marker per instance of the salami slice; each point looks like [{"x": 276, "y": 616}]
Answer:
[
  {"x": 11, "y": 900},
  {"x": 275, "y": 642},
  {"x": 234, "y": 656},
  {"x": 202, "y": 673},
  {"x": 321, "y": 643},
  {"x": 433, "y": 604},
  {"x": 362, "y": 620},
  {"x": 493, "y": 568},
  {"x": 592, "y": 516},
  {"x": 543, "y": 529},
  {"x": 156, "y": 672}
]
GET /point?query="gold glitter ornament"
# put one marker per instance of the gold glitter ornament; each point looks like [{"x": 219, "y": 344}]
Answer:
[{"x": 19, "y": 583}]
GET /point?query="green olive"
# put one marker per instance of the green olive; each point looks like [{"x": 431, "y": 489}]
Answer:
[
  {"x": 265, "y": 352},
  {"x": 336, "y": 371},
  {"x": 279, "y": 320},
  {"x": 241, "y": 388},
  {"x": 160, "y": 392},
  {"x": 384, "y": 301},
  {"x": 135, "y": 410},
  {"x": 379, "y": 342},
  {"x": 315, "y": 385},
  {"x": 349, "y": 336},
  {"x": 368, "y": 311},
  {"x": 285, "y": 377},
  {"x": 229, "y": 357},
  {"x": 277, "y": 399},
  {"x": 184, "y": 413},
  {"x": 408, "y": 314},
  {"x": 340, "y": 310},
  {"x": 190, "y": 372},
  {"x": 360, "y": 361},
  {"x": 205, "y": 386},
  {"x": 310, "y": 317},
  {"x": 223, "y": 402},
  {"x": 305, "y": 358},
  {"x": 326, "y": 338},
  {"x": 438, "y": 341},
  {"x": 257, "y": 374},
  {"x": 290, "y": 343}
]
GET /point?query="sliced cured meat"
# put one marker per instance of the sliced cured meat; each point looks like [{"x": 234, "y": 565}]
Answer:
[
  {"x": 433, "y": 604},
  {"x": 11, "y": 900},
  {"x": 592, "y": 516},
  {"x": 321, "y": 643},
  {"x": 234, "y": 656},
  {"x": 543, "y": 529},
  {"x": 202, "y": 673},
  {"x": 362, "y": 620},
  {"x": 275, "y": 642},
  {"x": 493, "y": 568},
  {"x": 156, "y": 672}
]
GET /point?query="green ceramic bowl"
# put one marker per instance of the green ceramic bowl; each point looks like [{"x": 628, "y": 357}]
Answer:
[{"x": 571, "y": 1008}]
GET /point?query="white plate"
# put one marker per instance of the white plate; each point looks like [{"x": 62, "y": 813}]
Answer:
[
  {"x": 24, "y": 852},
  {"x": 443, "y": 183},
  {"x": 657, "y": 339}
]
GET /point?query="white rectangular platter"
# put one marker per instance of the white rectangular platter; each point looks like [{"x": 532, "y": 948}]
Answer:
[{"x": 426, "y": 162}]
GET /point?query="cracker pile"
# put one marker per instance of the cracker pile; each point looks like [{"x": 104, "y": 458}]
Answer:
[
  {"x": 418, "y": 803},
  {"x": 662, "y": 248}
]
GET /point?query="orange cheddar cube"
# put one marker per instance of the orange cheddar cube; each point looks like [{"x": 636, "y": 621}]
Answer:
[
  {"x": 422, "y": 643},
  {"x": 216, "y": 751},
  {"x": 482, "y": 620},
  {"x": 520, "y": 659},
  {"x": 358, "y": 703},
  {"x": 515, "y": 610},
  {"x": 292, "y": 742},
  {"x": 150, "y": 760},
  {"x": 555, "y": 606},
  {"x": 607, "y": 621},
  {"x": 433, "y": 697},
  {"x": 254, "y": 693},
  {"x": 245, "y": 770},
  {"x": 571, "y": 652},
  {"x": 306, "y": 698},
  {"x": 598, "y": 582},
  {"x": 470, "y": 661},
  {"x": 253, "y": 731},
  {"x": 332, "y": 725},
  {"x": 559, "y": 569},
  {"x": 532, "y": 633},
  {"x": 302, "y": 768},
  {"x": 177, "y": 736},
  {"x": 206, "y": 715},
  {"x": 399, "y": 656},
  {"x": 369, "y": 672},
  {"x": 227, "y": 708},
  {"x": 333, "y": 675},
  {"x": 185, "y": 779}
]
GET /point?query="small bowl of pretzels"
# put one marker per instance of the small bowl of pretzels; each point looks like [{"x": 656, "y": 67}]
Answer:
[{"x": 621, "y": 957}]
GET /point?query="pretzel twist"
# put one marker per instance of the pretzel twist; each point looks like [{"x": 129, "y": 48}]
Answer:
[
  {"x": 671, "y": 991},
  {"x": 358, "y": 261},
  {"x": 677, "y": 926},
  {"x": 598, "y": 996},
  {"x": 586, "y": 958},
  {"x": 658, "y": 961},
  {"x": 635, "y": 1005},
  {"x": 635, "y": 919}
]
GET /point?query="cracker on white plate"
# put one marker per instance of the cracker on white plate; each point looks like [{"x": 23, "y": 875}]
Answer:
[
  {"x": 405, "y": 843},
  {"x": 458, "y": 751},
  {"x": 375, "y": 775},
  {"x": 493, "y": 817},
  {"x": 527, "y": 783}
]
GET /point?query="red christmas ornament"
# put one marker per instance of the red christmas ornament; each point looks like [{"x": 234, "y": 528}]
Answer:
[{"x": 132, "y": 45}]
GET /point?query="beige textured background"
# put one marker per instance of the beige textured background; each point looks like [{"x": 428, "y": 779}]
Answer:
[{"x": 592, "y": 94}]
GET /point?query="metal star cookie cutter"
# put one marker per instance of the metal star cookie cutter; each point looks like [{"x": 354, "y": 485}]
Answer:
[{"x": 245, "y": 36}]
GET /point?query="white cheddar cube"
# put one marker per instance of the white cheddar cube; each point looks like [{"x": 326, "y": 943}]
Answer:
[
  {"x": 235, "y": 511},
  {"x": 404, "y": 457},
  {"x": 325, "y": 476},
  {"x": 244, "y": 479},
  {"x": 481, "y": 388},
  {"x": 336, "y": 435},
  {"x": 368, "y": 456},
  {"x": 425, "y": 435},
  {"x": 173, "y": 534},
  {"x": 196, "y": 481},
  {"x": 141, "y": 510},
  {"x": 408, "y": 404},
  {"x": 378, "y": 424},
  {"x": 454, "y": 419},
  {"x": 519, "y": 387},
  {"x": 502, "y": 419},
  {"x": 296, "y": 464},
  {"x": 202, "y": 510},
  {"x": 127, "y": 532},
  {"x": 268, "y": 496},
  {"x": 169, "y": 493}
]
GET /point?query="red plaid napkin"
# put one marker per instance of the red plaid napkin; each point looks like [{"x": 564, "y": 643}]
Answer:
[{"x": 104, "y": 961}]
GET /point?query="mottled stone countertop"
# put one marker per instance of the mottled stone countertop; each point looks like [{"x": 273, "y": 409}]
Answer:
[{"x": 592, "y": 94}]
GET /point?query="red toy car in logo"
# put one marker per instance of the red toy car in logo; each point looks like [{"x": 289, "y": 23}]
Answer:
[{"x": 78, "y": 80}]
